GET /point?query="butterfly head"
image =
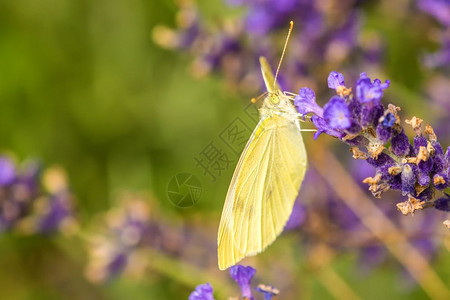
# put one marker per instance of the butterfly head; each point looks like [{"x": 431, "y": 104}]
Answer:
[{"x": 278, "y": 103}]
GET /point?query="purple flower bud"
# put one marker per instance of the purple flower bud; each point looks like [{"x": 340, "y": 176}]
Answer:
[
  {"x": 425, "y": 167},
  {"x": 335, "y": 79},
  {"x": 423, "y": 179},
  {"x": 443, "y": 203},
  {"x": 400, "y": 144},
  {"x": 419, "y": 141},
  {"x": 440, "y": 181},
  {"x": 408, "y": 180},
  {"x": 437, "y": 148},
  {"x": 438, "y": 164},
  {"x": 384, "y": 133},
  {"x": 371, "y": 114},
  {"x": 384, "y": 170},
  {"x": 7, "y": 171},
  {"x": 269, "y": 291},
  {"x": 382, "y": 160},
  {"x": 388, "y": 120},
  {"x": 337, "y": 114},
  {"x": 368, "y": 92},
  {"x": 305, "y": 102},
  {"x": 395, "y": 182},
  {"x": 243, "y": 276},
  {"x": 355, "y": 108},
  {"x": 202, "y": 292}
]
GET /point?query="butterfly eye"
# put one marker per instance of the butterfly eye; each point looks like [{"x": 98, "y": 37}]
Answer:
[{"x": 275, "y": 100}]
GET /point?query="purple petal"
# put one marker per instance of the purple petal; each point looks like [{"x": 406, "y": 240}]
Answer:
[
  {"x": 7, "y": 171},
  {"x": 202, "y": 292},
  {"x": 400, "y": 144},
  {"x": 337, "y": 114},
  {"x": 439, "y": 9},
  {"x": 323, "y": 127},
  {"x": 243, "y": 276},
  {"x": 368, "y": 91},
  {"x": 442, "y": 203},
  {"x": 305, "y": 102},
  {"x": 335, "y": 79}
]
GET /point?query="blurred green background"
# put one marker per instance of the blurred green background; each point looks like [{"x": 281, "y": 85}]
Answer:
[{"x": 83, "y": 85}]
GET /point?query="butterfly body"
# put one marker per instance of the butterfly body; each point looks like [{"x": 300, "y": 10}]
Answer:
[{"x": 266, "y": 181}]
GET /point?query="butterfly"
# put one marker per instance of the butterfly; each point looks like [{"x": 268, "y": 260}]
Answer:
[{"x": 266, "y": 180}]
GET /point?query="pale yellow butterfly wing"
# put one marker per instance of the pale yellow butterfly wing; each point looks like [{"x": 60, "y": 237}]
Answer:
[
  {"x": 263, "y": 190},
  {"x": 269, "y": 79},
  {"x": 264, "y": 186}
]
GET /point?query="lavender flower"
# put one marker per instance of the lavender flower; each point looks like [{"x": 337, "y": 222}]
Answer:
[
  {"x": 443, "y": 203},
  {"x": 32, "y": 201},
  {"x": 7, "y": 171},
  {"x": 336, "y": 114},
  {"x": 439, "y": 9},
  {"x": 419, "y": 170},
  {"x": 117, "y": 246},
  {"x": 269, "y": 291},
  {"x": 202, "y": 292},
  {"x": 305, "y": 102},
  {"x": 368, "y": 91},
  {"x": 320, "y": 37},
  {"x": 243, "y": 276}
]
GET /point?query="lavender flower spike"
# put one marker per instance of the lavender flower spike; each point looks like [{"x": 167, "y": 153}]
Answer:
[
  {"x": 202, "y": 292},
  {"x": 243, "y": 276},
  {"x": 421, "y": 171}
]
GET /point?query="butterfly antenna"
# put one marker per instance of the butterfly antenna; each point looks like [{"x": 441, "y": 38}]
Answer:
[
  {"x": 254, "y": 100},
  {"x": 291, "y": 25}
]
